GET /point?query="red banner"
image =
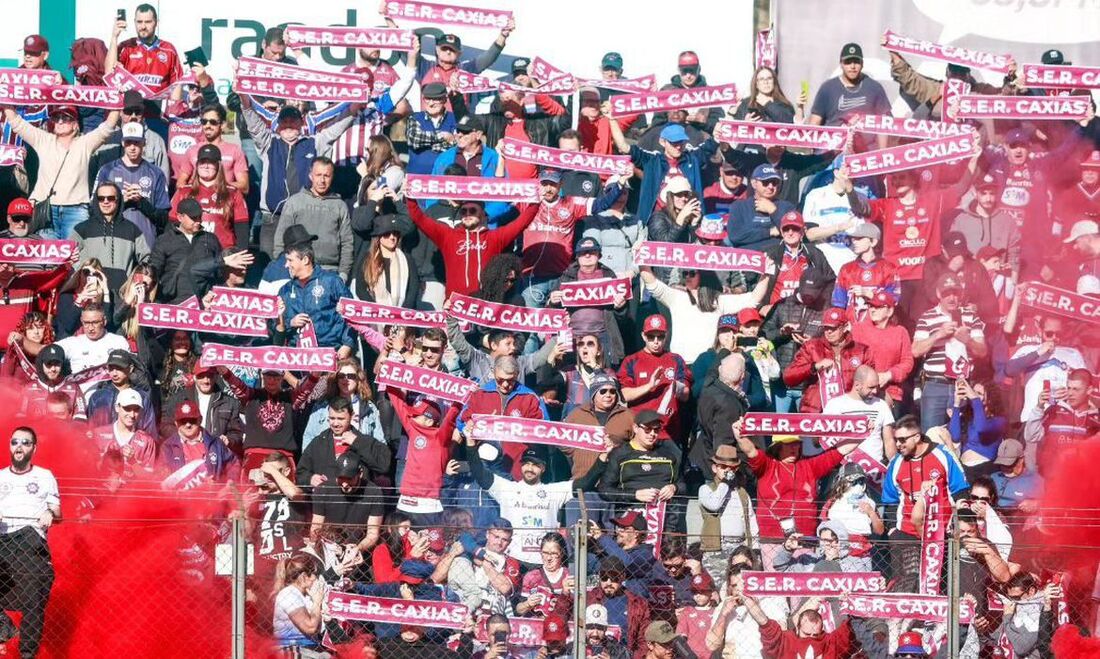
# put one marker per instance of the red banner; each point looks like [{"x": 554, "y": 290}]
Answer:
[
  {"x": 359, "y": 312},
  {"x": 921, "y": 129},
  {"x": 811, "y": 584},
  {"x": 904, "y": 606},
  {"x": 953, "y": 88},
  {"x": 581, "y": 161},
  {"x": 298, "y": 36},
  {"x": 170, "y": 316},
  {"x": 541, "y": 70},
  {"x": 31, "y": 77},
  {"x": 913, "y": 156},
  {"x": 1050, "y": 76},
  {"x": 261, "y": 68},
  {"x": 124, "y": 81},
  {"x": 655, "y": 525},
  {"x": 766, "y": 54},
  {"x": 12, "y": 155},
  {"x": 507, "y": 316},
  {"x": 429, "y": 12},
  {"x": 698, "y": 257},
  {"x": 566, "y": 84},
  {"x": 425, "y": 381},
  {"x": 594, "y": 292},
  {"x": 842, "y": 426},
  {"x": 507, "y": 429},
  {"x": 1036, "y": 108},
  {"x": 1059, "y": 301},
  {"x": 470, "y": 188},
  {"x": 188, "y": 477},
  {"x": 320, "y": 360},
  {"x": 772, "y": 134},
  {"x": 830, "y": 384},
  {"x": 38, "y": 252},
  {"x": 932, "y": 542},
  {"x": 675, "y": 99},
  {"x": 424, "y": 613},
  {"x": 874, "y": 469},
  {"x": 244, "y": 300},
  {"x": 317, "y": 91},
  {"x": 468, "y": 83},
  {"x": 107, "y": 98},
  {"x": 307, "y": 336},
  {"x": 974, "y": 59},
  {"x": 629, "y": 85}
]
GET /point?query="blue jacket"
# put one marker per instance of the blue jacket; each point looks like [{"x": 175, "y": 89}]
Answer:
[
  {"x": 655, "y": 167},
  {"x": 749, "y": 229},
  {"x": 489, "y": 160},
  {"x": 278, "y": 157},
  {"x": 218, "y": 456},
  {"x": 317, "y": 298}
]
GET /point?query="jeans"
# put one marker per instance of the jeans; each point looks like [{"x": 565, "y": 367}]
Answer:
[
  {"x": 935, "y": 398},
  {"x": 789, "y": 402},
  {"x": 63, "y": 219}
]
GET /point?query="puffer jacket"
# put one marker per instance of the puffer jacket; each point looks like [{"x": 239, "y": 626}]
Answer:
[{"x": 801, "y": 369}]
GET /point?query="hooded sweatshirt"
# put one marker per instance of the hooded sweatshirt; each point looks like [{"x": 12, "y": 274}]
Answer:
[
  {"x": 36, "y": 391},
  {"x": 118, "y": 243}
]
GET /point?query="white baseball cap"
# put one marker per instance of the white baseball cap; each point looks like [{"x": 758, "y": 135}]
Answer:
[
  {"x": 128, "y": 397},
  {"x": 1088, "y": 285},
  {"x": 1082, "y": 228},
  {"x": 595, "y": 614}
]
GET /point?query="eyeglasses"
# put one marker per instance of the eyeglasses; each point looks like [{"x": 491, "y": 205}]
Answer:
[
  {"x": 348, "y": 376},
  {"x": 905, "y": 438},
  {"x": 984, "y": 499},
  {"x": 587, "y": 344},
  {"x": 21, "y": 441},
  {"x": 858, "y": 480},
  {"x": 550, "y": 553},
  {"x": 188, "y": 422},
  {"x": 211, "y": 122},
  {"x": 92, "y": 322},
  {"x": 427, "y": 348},
  {"x": 769, "y": 183},
  {"x": 105, "y": 198},
  {"x": 63, "y": 119},
  {"x": 505, "y": 381}
]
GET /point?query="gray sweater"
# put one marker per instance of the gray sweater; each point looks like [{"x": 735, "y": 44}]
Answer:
[{"x": 325, "y": 217}]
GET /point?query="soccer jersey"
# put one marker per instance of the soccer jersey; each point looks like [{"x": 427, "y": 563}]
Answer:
[
  {"x": 24, "y": 497},
  {"x": 156, "y": 65}
]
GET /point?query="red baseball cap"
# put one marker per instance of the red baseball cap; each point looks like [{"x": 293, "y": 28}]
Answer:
[
  {"x": 200, "y": 369},
  {"x": 64, "y": 109},
  {"x": 702, "y": 583},
  {"x": 20, "y": 207},
  {"x": 554, "y": 628},
  {"x": 792, "y": 219},
  {"x": 749, "y": 315},
  {"x": 882, "y": 299},
  {"x": 188, "y": 410},
  {"x": 834, "y": 317},
  {"x": 35, "y": 44},
  {"x": 435, "y": 541},
  {"x": 688, "y": 59},
  {"x": 988, "y": 252},
  {"x": 655, "y": 323},
  {"x": 1093, "y": 160}
]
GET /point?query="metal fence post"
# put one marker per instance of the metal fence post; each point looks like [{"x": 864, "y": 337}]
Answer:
[
  {"x": 240, "y": 570},
  {"x": 953, "y": 589},
  {"x": 580, "y": 577}
]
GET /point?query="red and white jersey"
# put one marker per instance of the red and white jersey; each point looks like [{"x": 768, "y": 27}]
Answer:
[
  {"x": 548, "y": 241},
  {"x": 910, "y": 232},
  {"x": 157, "y": 65},
  {"x": 349, "y": 148}
]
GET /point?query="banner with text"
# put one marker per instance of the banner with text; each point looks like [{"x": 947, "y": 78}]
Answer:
[
  {"x": 423, "y": 613},
  {"x": 699, "y": 257},
  {"x": 932, "y": 542},
  {"x": 470, "y": 188},
  {"x": 316, "y": 91},
  {"x": 920, "y": 129},
  {"x": 1061, "y": 302},
  {"x": 468, "y": 83},
  {"x": 1035, "y": 108},
  {"x": 904, "y": 606},
  {"x": 262, "y": 68},
  {"x": 968, "y": 57},
  {"x": 507, "y": 316},
  {"x": 581, "y": 161},
  {"x": 430, "y": 12},
  {"x": 244, "y": 300},
  {"x": 37, "y": 252},
  {"x": 359, "y": 312},
  {"x": 628, "y": 85},
  {"x": 320, "y": 360},
  {"x": 675, "y": 99},
  {"x": 594, "y": 292},
  {"x": 170, "y": 316},
  {"x": 788, "y": 135},
  {"x": 425, "y": 381},
  {"x": 811, "y": 584},
  {"x": 299, "y": 36},
  {"x": 913, "y": 156},
  {"x": 496, "y": 428},
  {"x": 841, "y": 426},
  {"x": 1050, "y": 76},
  {"x": 104, "y": 98},
  {"x": 30, "y": 77}
]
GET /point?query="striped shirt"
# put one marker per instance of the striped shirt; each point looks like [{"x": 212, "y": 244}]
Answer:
[{"x": 948, "y": 357}]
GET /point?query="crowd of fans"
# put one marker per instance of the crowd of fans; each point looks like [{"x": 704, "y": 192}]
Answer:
[{"x": 903, "y": 288}]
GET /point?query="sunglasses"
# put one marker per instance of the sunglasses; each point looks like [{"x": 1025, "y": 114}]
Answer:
[
  {"x": 983, "y": 499},
  {"x": 21, "y": 441},
  {"x": 905, "y": 438},
  {"x": 426, "y": 348},
  {"x": 348, "y": 376},
  {"x": 18, "y": 219},
  {"x": 680, "y": 195},
  {"x": 607, "y": 391},
  {"x": 211, "y": 122},
  {"x": 505, "y": 381},
  {"x": 587, "y": 344},
  {"x": 133, "y": 112},
  {"x": 655, "y": 337},
  {"x": 858, "y": 480},
  {"x": 188, "y": 422},
  {"x": 650, "y": 430},
  {"x": 105, "y": 198},
  {"x": 690, "y": 273},
  {"x": 769, "y": 183},
  {"x": 470, "y": 210},
  {"x": 611, "y": 577}
]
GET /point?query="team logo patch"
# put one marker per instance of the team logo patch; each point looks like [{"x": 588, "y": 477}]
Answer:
[
  {"x": 541, "y": 494},
  {"x": 855, "y": 361},
  {"x": 670, "y": 373},
  {"x": 163, "y": 57},
  {"x": 563, "y": 213},
  {"x": 145, "y": 182},
  {"x": 587, "y": 186},
  {"x": 318, "y": 291},
  {"x": 5, "y": 489},
  {"x": 912, "y": 233},
  {"x": 420, "y": 442},
  {"x": 32, "y": 488},
  {"x": 926, "y": 175},
  {"x": 647, "y": 467},
  {"x": 935, "y": 473},
  {"x": 866, "y": 276},
  {"x": 516, "y": 413},
  {"x": 212, "y": 458}
]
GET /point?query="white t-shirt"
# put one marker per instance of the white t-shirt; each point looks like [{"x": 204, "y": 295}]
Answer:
[
  {"x": 24, "y": 497},
  {"x": 83, "y": 353},
  {"x": 204, "y": 403},
  {"x": 289, "y": 600},
  {"x": 532, "y": 510},
  {"x": 1056, "y": 368},
  {"x": 743, "y": 633},
  {"x": 877, "y": 410}
]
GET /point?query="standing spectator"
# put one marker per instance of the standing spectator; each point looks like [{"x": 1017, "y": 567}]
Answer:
[
  {"x": 985, "y": 222},
  {"x": 688, "y": 78},
  {"x": 26, "y": 340},
  {"x": 351, "y": 383},
  {"x": 1018, "y": 485},
  {"x": 23, "y": 291},
  {"x": 834, "y": 350},
  {"x": 850, "y": 93},
  {"x": 1045, "y": 366},
  {"x": 92, "y": 347},
  {"x": 220, "y": 413},
  {"x": 619, "y": 606},
  {"x": 644, "y": 470},
  {"x": 754, "y": 222},
  {"x": 926, "y": 94},
  {"x": 807, "y": 638},
  {"x": 730, "y": 187},
  {"x": 20, "y": 213},
  {"x": 849, "y": 508},
  {"x": 63, "y": 157},
  {"x": 655, "y": 379},
  {"x": 448, "y": 57},
  {"x": 793, "y": 255},
  {"x": 1060, "y": 422},
  {"x": 182, "y": 245},
  {"x": 918, "y": 465},
  {"x": 31, "y": 506},
  {"x": 125, "y": 450},
  {"x": 233, "y": 163},
  {"x": 593, "y": 134},
  {"x": 502, "y": 343},
  {"x": 296, "y": 616},
  {"x": 891, "y": 347},
  {"x": 190, "y": 442},
  {"x": 860, "y": 280},
  {"x": 383, "y": 272},
  {"x": 144, "y": 186},
  {"x": 767, "y": 102},
  {"x": 861, "y": 400},
  {"x": 791, "y": 323},
  {"x": 955, "y": 259},
  {"x": 342, "y": 437},
  {"x": 950, "y": 337},
  {"x": 153, "y": 61},
  {"x": 469, "y": 152},
  {"x": 324, "y": 214},
  {"x": 721, "y": 404},
  {"x": 312, "y": 293},
  {"x": 430, "y": 131},
  {"x": 548, "y": 588},
  {"x": 829, "y": 218},
  {"x": 597, "y": 642},
  {"x": 976, "y": 426},
  {"x": 118, "y": 244},
  {"x": 223, "y": 209},
  {"x": 154, "y": 151},
  {"x": 527, "y": 117},
  {"x": 725, "y": 500},
  {"x": 605, "y": 408},
  {"x": 103, "y": 397},
  {"x": 601, "y": 322}
]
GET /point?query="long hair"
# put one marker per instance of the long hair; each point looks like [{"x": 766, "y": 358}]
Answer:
[
  {"x": 223, "y": 194},
  {"x": 777, "y": 95},
  {"x": 332, "y": 386},
  {"x": 33, "y": 318},
  {"x": 392, "y": 539},
  {"x": 380, "y": 156},
  {"x": 374, "y": 265},
  {"x": 130, "y": 327},
  {"x": 494, "y": 279},
  {"x": 169, "y": 360},
  {"x": 706, "y": 296}
]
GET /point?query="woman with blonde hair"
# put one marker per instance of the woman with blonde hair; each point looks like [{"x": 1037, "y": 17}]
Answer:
[
  {"x": 87, "y": 285},
  {"x": 297, "y": 613},
  {"x": 385, "y": 273}
]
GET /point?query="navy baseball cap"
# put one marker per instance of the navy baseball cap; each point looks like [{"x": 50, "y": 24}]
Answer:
[
  {"x": 765, "y": 172},
  {"x": 552, "y": 175},
  {"x": 674, "y": 133},
  {"x": 587, "y": 245},
  {"x": 448, "y": 41}
]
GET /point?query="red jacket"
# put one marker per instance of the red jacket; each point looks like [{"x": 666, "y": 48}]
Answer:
[
  {"x": 466, "y": 253},
  {"x": 786, "y": 492},
  {"x": 522, "y": 402},
  {"x": 801, "y": 369},
  {"x": 637, "y": 619},
  {"x": 891, "y": 350},
  {"x": 780, "y": 643}
]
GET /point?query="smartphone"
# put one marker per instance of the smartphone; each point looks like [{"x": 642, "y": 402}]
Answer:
[
  {"x": 500, "y": 637},
  {"x": 806, "y": 87},
  {"x": 121, "y": 15},
  {"x": 747, "y": 341}
]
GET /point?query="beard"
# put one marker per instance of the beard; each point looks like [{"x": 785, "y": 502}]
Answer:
[{"x": 18, "y": 464}]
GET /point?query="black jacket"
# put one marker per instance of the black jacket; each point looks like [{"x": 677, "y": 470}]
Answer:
[
  {"x": 174, "y": 256},
  {"x": 719, "y": 407},
  {"x": 713, "y": 114},
  {"x": 412, "y": 284},
  {"x": 320, "y": 456},
  {"x": 542, "y": 128}
]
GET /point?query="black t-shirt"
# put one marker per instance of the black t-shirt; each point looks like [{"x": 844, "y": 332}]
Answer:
[
  {"x": 350, "y": 511},
  {"x": 281, "y": 525}
]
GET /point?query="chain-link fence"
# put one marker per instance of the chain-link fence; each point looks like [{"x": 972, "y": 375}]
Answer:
[{"x": 234, "y": 572}]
